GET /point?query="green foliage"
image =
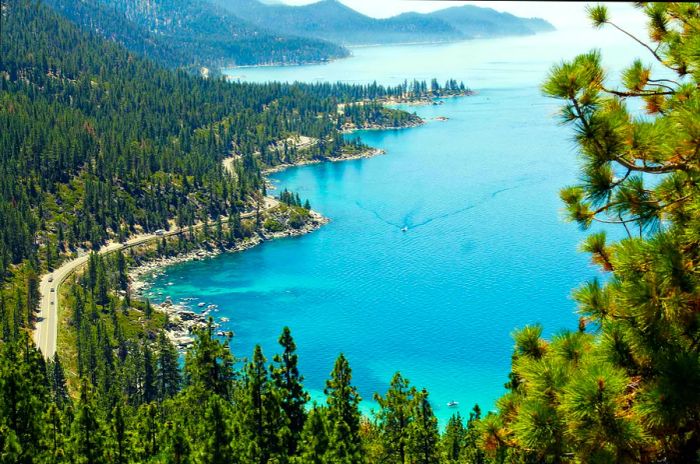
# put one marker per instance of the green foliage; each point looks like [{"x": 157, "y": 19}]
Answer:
[
  {"x": 85, "y": 162},
  {"x": 423, "y": 432},
  {"x": 292, "y": 396},
  {"x": 344, "y": 446},
  {"x": 395, "y": 418},
  {"x": 313, "y": 444},
  {"x": 619, "y": 389},
  {"x": 99, "y": 144},
  {"x": 273, "y": 225},
  {"x": 209, "y": 365},
  {"x": 181, "y": 33}
]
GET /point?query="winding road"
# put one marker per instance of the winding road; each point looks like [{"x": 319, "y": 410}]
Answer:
[{"x": 46, "y": 330}]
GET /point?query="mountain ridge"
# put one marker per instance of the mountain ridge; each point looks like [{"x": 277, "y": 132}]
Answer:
[
  {"x": 334, "y": 21},
  {"x": 189, "y": 34}
]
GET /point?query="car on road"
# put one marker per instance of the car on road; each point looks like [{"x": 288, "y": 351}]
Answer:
[
  {"x": 53, "y": 289},
  {"x": 50, "y": 278},
  {"x": 160, "y": 232}
]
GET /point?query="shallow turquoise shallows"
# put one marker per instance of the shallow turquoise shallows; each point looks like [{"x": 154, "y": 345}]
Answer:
[{"x": 485, "y": 250}]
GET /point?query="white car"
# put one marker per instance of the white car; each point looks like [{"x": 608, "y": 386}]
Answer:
[{"x": 50, "y": 278}]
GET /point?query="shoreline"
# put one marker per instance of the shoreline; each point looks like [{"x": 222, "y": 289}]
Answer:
[
  {"x": 370, "y": 153},
  {"x": 376, "y": 127},
  {"x": 183, "y": 320}
]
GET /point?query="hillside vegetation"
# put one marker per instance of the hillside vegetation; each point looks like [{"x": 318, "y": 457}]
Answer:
[
  {"x": 96, "y": 141},
  {"x": 192, "y": 34},
  {"x": 331, "y": 20}
]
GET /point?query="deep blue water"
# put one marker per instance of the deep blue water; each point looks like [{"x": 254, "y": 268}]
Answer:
[{"x": 486, "y": 249}]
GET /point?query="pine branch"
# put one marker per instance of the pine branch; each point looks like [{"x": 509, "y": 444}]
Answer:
[
  {"x": 645, "y": 93},
  {"x": 645, "y": 45}
]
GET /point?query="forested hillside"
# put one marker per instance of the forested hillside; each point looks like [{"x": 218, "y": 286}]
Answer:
[
  {"x": 332, "y": 20},
  {"x": 80, "y": 113},
  {"x": 474, "y": 21},
  {"x": 98, "y": 142},
  {"x": 192, "y": 34}
]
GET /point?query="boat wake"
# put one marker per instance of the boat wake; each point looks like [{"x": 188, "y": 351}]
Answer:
[{"x": 409, "y": 224}]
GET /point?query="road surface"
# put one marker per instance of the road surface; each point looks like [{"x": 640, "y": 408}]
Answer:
[{"x": 46, "y": 331}]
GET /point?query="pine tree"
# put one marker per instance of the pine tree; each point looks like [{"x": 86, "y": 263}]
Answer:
[
  {"x": 395, "y": 417},
  {"x": 216, "y": 433},
  {"x": 209, "y": 364},
  {"x": 122, "y": 277},
  {"x": 119, "y": 437},
  {"x": 23, "y": 396},
  {"x": 344, "y": 446},
  {"x": 424, "y": 432},
  {"x": 313, "y": 442},
  {"x": 168, "y": 377},
  {"x": 149, "y": 387},
  {"x": 622, "y": 388},
  {"x": 54, "y": 441},
  {"x": 148, "y": 444},
  {"x": 58, "y": 382},
  {"x": 288, "y": 383},
  {"x": 262, "y": 418},
  {"x": 473, "y": 450},
  {"x": 452, "y": 440},
  {"x": 175, "y": 447},
  {"x": 101, "y": 283},
  {"x": 219, "y": 230},
  {"x": 86, "y": 438}
]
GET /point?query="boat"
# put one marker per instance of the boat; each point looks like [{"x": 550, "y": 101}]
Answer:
[
  {"x": 452, "y": 404},
  {"x": 404, "y": 229},
  {"x": 225, "y": 319},
  {"x": 201, "y": 305}
]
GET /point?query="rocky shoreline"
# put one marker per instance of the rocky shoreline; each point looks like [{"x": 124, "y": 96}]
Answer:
[
  {"x": 350, "y": 129},
  {"x": 425, "y": 100},
  {"x": 183, "y": 321},
  {"x": 372, "y": 152}
]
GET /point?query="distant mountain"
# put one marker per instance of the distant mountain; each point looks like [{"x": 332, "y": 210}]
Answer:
[
  {"x": 473, "y": 21},
  {"x": 331, "y": 20},
  {"x": 192, "y": 33}
]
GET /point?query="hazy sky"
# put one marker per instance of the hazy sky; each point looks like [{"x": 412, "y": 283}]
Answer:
[{"x": 561, "y": 14}]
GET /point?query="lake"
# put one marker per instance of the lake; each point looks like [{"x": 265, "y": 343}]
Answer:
[{"x": 486, "y": 248}]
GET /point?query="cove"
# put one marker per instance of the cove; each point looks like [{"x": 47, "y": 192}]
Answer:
[{"x": 485, "y": 250}]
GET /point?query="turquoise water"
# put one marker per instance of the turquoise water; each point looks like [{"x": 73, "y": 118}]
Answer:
[{"x": 486, "y": 250}]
